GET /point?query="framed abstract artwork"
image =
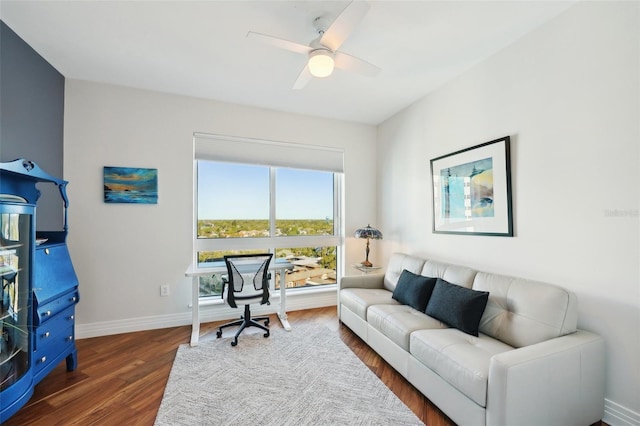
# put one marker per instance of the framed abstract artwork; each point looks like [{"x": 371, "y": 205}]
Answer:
[
  {"x": 130, "y": 185},
  {"x": 472, "y": 190}
]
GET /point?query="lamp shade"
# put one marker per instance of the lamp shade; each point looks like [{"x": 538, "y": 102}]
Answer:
[
  {"x": 369, "y": 232},
  {"x": 321, "y": 63}
]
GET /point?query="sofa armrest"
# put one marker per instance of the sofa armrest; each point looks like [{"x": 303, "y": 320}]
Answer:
[
  {"x": 559, "y": 381},
  {"x": 362, "y": 281}
]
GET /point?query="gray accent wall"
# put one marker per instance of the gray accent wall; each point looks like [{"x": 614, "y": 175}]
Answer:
[{"x": 32, "y": 118}]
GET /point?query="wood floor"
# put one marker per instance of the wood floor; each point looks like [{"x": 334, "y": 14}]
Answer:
[{"x": 120, "y": 379}]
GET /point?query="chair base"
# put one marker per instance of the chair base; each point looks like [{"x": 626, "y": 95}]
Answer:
[{"x": 244, "y": 322}]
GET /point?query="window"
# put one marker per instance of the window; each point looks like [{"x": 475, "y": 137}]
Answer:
[
  {"x": 244, "y": 207},
  {"x": 233, "y": 200}
]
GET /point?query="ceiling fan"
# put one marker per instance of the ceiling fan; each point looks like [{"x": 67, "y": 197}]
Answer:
[{"x": 323, "y": 51}]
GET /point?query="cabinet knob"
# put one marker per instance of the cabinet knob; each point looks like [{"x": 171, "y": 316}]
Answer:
[
  {"x": 73, "y": 299},
  {"x": 43, "y": 359},
  {"x": 47, "y": 314},
  {"x": 47, "y": 334},
  {"x": 46, "y": 251},
  {"x": 71, "y": 317},
  {"x": 70, "y": 338}
]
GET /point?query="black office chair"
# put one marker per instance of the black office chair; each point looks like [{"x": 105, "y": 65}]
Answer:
[{"x": 247, "y": 282}]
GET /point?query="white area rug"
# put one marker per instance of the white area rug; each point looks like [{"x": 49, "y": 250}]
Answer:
[{"x": 304, "y": 377}]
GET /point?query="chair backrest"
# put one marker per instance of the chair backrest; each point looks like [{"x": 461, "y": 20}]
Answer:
[{"x": 248, "y": 277}]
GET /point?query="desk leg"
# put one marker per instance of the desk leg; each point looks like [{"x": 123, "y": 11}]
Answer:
[
  {"x": 195, "y": 310},
  {"x": 282, "y": 313}
]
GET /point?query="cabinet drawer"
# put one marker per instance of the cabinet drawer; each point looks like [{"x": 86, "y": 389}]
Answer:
[
  {"x": 50, "y": 330},
  {"x": 49, "y": 310},
  {"x": 49, "y": 350}
]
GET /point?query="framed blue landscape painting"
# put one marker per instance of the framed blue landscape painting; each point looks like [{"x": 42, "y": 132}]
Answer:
[
  {"x": 130, "y": 185},
  {"x": 472, "y": 190}
]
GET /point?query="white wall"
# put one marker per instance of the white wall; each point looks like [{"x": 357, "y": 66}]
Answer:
[
  {"x": 568, "y": 94},
  {"x": 122, "y": 253}
]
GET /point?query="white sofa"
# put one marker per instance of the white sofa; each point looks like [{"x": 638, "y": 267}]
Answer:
[{"x": 529, "y": 365}]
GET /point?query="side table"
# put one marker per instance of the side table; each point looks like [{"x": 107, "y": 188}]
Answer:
[{"x": 367, "y": 269}]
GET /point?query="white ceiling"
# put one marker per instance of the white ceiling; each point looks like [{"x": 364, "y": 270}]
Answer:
[{"x": 200, "y": 48}]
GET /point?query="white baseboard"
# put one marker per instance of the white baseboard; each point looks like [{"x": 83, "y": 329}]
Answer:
[
  {"x": 618, "y": 415},
  {"x": 295, "y": 302},
  {"x": 107, "y": 328}
]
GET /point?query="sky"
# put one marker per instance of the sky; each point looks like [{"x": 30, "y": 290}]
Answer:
[
  {"x": 121, "y": 178},
  {"x": 237, "y": 191}
]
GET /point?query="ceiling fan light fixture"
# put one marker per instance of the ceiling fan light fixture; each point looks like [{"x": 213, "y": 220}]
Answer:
[{"x": 321, "y": 63}]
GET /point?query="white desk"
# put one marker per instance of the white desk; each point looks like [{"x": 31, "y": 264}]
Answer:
[{"x": 209, "y": 268}]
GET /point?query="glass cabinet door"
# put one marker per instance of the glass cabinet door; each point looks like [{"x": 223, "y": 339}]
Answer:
[{"x": 15, "y": 240}]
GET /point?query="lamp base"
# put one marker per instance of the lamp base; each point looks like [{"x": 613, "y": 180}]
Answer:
[{"x": 367, "y": 264}]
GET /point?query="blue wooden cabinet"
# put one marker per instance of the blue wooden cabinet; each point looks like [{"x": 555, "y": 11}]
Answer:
[
  {"x": 40, "y": 288},
  {"x": 55, "y": 294}
]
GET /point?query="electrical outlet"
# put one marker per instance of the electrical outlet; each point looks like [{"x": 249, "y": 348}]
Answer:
[{"x": 164, "y": 290}]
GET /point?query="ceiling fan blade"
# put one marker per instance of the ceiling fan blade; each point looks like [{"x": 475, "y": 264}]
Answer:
[
  {"x": 344, "y": 24},
  {"x": 279, "y": 42},
  {"x": 303, "y": 78},
  {"x": 351, "y": 63}
]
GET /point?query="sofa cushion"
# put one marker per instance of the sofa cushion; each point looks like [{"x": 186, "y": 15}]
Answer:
[
  {"x": 398, "y": 263},
  {"x": 454, "y": 274},
  {"x": 413, "y": 290},
  {"x": 359, "y": 299},
  {"x": 460, "y": 359},
  {"x": 457, "y": 306},
  {"x": 523, "y": 312},
  {"x": 397, "y": 322}
]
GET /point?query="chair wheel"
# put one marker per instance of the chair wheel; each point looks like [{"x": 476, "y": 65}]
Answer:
[
  {"x": 266, "y": 334},
  {"x": 219, "y": 334},
  {"x": 266, "y": 322}
]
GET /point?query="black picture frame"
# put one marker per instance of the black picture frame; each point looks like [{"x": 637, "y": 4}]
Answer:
[{"x": 472, "y": 190}]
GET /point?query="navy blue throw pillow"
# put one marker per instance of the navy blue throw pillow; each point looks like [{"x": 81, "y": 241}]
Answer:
[
  {"x": 457, "y": 306},
  {"x": 413, "y": 290}
]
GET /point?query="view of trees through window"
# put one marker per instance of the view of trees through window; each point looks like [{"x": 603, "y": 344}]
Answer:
[
  {"x": 239, "y": 228},
  {"x": 234, "y": 203}
]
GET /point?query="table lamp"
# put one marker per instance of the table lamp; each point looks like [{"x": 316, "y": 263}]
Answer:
[{"x": 369, "y": 233}]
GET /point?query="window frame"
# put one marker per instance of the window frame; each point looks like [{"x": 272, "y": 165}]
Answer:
[{"x": 272, "y": 242}]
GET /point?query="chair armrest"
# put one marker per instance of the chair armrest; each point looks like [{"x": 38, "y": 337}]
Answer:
[
  {"x": 362, "y": 281},
  {"x": 559, "y": 381}
]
